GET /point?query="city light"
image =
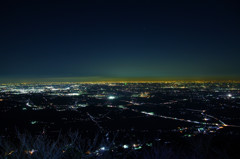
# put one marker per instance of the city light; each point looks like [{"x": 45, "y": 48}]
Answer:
[
  {"x": 111, "y": 97},
  {"x": 125, "y": 146},
  {"x": 124, "y": 107}
]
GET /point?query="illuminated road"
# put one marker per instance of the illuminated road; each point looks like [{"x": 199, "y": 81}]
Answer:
[{"x": 217, "y": 125}]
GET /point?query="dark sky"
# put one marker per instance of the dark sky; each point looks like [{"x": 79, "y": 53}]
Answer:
[{"x": 88, "y": 38}]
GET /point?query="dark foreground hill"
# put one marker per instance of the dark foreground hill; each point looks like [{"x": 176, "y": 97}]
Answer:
[{"x": 72, "y": 145}]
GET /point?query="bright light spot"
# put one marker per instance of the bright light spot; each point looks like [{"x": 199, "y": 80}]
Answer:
[
  {"x": 150, "y": 113},
  {"x": 111, "y": 97},
  {"x": 136, "y": 146},
  {"x": 10, "y": 152},
  {"x": 30, "y": 152},
  {"x": 229, "y": 95},
  {"x": 205, "y": 119},
  {"x": 72, "y": 94},
  {"x": 102, "y": 148},
  {"x": 125, "y": 146},
  {"x": 33, "y": 122}
]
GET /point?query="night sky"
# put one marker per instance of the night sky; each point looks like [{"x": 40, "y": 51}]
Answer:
[{"x": 135, "y": 39}]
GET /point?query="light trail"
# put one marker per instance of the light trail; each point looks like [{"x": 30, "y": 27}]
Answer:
[{"x": 219, "y": 125}]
